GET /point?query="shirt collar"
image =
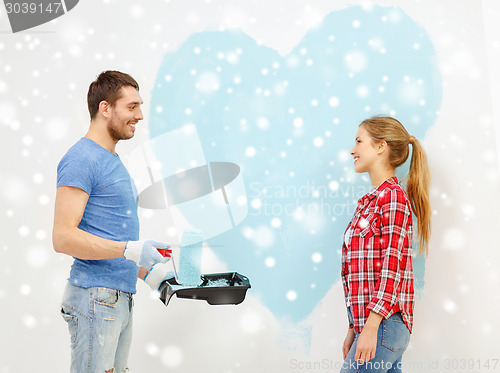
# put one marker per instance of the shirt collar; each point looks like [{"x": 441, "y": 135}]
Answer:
[{"x": 375, "y": 192}]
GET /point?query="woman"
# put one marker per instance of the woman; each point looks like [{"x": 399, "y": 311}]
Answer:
[{"x": 377, "y": 271}]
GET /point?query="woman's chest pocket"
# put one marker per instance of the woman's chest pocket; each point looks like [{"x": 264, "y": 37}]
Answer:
[{"x": 368, "y": 225}]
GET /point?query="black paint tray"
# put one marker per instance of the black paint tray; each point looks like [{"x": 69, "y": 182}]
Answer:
[{"x": 216, "y": 288}]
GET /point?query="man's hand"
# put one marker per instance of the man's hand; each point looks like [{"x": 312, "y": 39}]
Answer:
[
  {"x": 157, "y": 275},
  {"x": 146, "y": 253}
]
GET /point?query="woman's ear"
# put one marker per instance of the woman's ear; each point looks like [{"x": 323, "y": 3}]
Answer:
[{"x": 382, "y": 146}]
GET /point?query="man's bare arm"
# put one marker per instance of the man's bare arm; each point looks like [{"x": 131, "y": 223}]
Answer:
[{"x": 68, "y": 239}]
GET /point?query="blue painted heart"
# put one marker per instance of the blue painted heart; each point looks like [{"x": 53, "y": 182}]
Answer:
[{"x": 289, "y": 123}]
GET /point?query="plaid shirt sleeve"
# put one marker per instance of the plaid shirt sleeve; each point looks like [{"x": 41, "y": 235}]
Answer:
[{"x": 395, "y": 221}]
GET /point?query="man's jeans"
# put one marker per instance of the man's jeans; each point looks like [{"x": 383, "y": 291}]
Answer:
[
  {"x": 100, "y": 326},
  {"x": 392, "y": 340}
]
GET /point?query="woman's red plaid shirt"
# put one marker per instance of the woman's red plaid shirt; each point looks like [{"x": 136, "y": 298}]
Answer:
[{"x": 377, "y": 271}]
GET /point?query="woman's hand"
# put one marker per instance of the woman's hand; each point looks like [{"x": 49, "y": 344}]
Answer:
[
  {"x": 367, "y": 345},
  {"x": 367, "y": 341},
  {"x": 348, "y": 341}
]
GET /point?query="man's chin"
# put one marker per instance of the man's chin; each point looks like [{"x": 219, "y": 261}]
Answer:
[
  {"x": 126, "y": 136},
  {"x": 125, "y": 133}
]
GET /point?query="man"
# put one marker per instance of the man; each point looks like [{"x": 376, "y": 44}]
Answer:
[{"x": 96, "y": 222}]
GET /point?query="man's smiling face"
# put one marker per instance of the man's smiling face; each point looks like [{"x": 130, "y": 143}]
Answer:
[{"x": 125, "y": 114}]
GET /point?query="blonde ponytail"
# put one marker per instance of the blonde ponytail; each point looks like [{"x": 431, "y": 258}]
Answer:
[{"x": 417, "y": 188}]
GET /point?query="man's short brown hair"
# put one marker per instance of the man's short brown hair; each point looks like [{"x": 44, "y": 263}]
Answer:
[{"x": 107, "y": 87}]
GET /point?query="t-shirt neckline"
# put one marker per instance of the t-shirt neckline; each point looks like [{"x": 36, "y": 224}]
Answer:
[{"x": 103, "y": 148}]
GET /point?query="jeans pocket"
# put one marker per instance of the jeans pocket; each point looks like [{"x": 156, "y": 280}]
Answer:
[
  {"x": 107, "y": 297},
  {"x": 396, "y": 335},
  {"x": 72, "y": 321}
]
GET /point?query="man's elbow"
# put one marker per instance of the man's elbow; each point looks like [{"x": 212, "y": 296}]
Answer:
[{"x": 59, "y": 240}]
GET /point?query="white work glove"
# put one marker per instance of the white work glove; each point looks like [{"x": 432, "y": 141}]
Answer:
[
  {"x": 157, "y": 275},
  {"x": 146, "y": 253}
]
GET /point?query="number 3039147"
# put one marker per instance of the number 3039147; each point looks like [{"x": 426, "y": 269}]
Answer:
[{"x": 33, "y": 8}]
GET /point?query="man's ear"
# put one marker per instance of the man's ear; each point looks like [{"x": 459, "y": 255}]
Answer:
[{"x": 104, "y": 107}]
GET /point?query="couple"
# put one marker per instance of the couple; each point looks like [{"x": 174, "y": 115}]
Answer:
[{"x": 96, "y": 222}]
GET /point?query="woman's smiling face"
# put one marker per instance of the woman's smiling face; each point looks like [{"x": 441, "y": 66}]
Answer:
[{"x": 365, "y": 151}]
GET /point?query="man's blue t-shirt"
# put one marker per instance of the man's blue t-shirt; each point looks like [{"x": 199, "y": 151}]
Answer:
[{"x": 111, "y": 212}]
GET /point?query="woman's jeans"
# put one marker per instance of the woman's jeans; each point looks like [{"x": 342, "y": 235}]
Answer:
[
  {"x": 392, "y": 340},
  {"x": 100, "y": 326}
]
